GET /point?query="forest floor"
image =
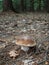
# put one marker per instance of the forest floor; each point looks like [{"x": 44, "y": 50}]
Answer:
[{"x": 13, "y": 24}]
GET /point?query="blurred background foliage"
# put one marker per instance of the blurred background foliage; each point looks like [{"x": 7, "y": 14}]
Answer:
[{"x": 27, "y": 5}]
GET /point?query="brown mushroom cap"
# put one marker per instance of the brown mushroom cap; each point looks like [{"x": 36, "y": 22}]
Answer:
[{"x": 25, "y": 40}]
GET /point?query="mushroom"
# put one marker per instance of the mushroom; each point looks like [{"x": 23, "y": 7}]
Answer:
[{"x": 25, "y": 41}]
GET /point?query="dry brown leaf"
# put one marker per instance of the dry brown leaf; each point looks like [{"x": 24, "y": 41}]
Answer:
[{"x": 13, "y": 54}]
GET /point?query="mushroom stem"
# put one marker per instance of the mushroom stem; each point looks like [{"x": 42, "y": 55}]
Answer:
[{"x": 24, "y": 48}]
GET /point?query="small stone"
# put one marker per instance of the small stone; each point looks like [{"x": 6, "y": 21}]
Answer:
[
  {"x": 24, "y": 20},
  {"x": 46, "y": 63},
  {"x": 34, "y": 63}
]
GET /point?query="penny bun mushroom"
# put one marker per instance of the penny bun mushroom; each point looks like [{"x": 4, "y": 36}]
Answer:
[{"x": 25, "y": 41}]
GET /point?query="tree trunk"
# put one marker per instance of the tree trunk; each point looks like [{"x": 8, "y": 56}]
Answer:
[
  {"x": 7, "y": 5},
  {"x": 47, "y": 5},
  {"x": 23, "y": 6},
  {"x": 32, "y": 5}
]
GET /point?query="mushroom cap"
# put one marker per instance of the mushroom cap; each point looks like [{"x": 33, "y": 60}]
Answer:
[{"x": 25, "y": 40}]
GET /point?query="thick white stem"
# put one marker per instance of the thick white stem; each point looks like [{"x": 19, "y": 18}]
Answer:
[{"x": 24, "y": 48}]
